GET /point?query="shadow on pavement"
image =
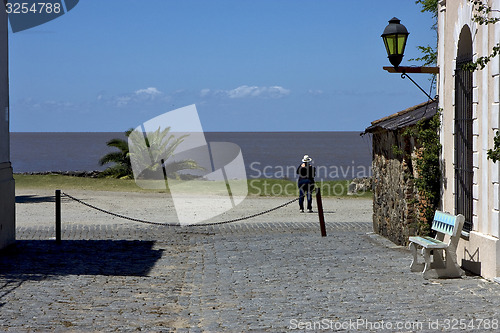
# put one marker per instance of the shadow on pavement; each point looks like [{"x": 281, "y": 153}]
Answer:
[
  {"x": 34, "y": 199},
  {"x": 78, "y": 257},
  {"x": 35, "y": 260}
]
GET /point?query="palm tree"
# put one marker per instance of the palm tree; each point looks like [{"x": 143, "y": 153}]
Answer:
[
  {"x": 150, "y": 152},
  {"x": 155, "y": 146},
  {"x": 122, "y": 167}
]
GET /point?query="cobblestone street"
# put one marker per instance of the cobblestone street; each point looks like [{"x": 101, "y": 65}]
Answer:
[{"x": 258, "y": 277}]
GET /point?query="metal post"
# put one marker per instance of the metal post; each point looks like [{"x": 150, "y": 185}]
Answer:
[
  {"x": 58, "y": 216},
  {"x": 164, "y": 174},
  {"x": 320, "y": 212},
  {"x": 163, "y": 168}
]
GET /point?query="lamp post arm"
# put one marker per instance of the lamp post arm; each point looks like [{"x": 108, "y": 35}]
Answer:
[{"x": 415, "y": 83}]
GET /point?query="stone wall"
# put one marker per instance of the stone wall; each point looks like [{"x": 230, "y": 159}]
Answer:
[
  {"x": 360, "y": 186},
  {"x": 395, "y": 198}
]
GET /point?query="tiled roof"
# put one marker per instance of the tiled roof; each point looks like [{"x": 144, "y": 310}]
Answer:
[{"x": 404, "y": 118}]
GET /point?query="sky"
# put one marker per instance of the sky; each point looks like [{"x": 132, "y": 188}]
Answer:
[{"x": 247, "y": 65}]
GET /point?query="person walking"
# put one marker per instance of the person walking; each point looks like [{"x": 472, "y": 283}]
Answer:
[{"x": 306, "y": 173}]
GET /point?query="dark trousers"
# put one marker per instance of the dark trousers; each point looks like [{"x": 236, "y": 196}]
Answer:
[{"x": 306, "y": 186}]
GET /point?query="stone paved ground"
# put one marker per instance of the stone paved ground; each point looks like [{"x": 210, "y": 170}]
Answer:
[{"x": 261, "y": 277}]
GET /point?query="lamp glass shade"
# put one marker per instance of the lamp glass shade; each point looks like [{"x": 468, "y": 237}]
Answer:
[
  {"x": 401, "y": 43},
  {"x": 390, "y": 44}
]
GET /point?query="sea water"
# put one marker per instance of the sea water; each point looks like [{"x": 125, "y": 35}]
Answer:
[{"x": 336, "y": 155}]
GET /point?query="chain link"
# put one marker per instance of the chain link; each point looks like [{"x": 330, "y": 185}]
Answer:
[{"x": 177, "y": 224}]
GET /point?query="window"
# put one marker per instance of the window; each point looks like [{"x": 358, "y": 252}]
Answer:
[{"x": 464, "y": 171}]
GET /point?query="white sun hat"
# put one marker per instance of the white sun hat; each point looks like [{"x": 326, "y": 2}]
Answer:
[{"x": 306, "y": 158}]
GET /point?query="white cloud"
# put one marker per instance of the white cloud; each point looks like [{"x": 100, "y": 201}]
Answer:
[
  {"x": 204, "y": 92},
  {"x": 254, "y": 91},
  {"x": 151, "y": 91},
  {"x": 244, "y": 91},
  {"x": 52, "y": 105},
  {"x": 248, "y": 92},
  {"x": 122, "y": 100},
  {"x": 146, "y": 95}
]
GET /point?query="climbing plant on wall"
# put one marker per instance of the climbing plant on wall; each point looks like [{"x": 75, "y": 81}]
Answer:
[
  {"x": 428, "y": 172},
  {"x": 428, "y": 181},
  {"x": 482, "y": 16}
]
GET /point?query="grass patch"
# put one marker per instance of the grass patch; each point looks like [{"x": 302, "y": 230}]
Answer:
[
  {"x": 282, "y": 187},
  {"x": 256, "y": 187},
  {"x": 54, "y": 182}
]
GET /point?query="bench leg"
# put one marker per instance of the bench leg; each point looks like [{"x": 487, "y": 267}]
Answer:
[
  {"x": 442, "y": 269},
  {"x": 428, "y": 272},
  {"x": 415, "y": 265},
  {"x": 437, "y": 258},
  {"x": 452, "y": 268}
]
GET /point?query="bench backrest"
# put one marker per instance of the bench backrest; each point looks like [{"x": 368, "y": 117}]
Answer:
[{"x": 448, "y": 224}]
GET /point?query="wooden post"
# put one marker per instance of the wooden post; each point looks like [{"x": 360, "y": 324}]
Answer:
[
  {"x": 320, "y": 212},
  {"x": 58, "y": 216},
  {"x": 163, "y": 168}
]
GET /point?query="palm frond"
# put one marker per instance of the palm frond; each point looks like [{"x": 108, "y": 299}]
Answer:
[
  {"x": 114, "y": 157},
  {"x": 118, "y": 143}
]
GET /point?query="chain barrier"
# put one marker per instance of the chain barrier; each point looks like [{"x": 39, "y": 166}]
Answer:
[{"x": 177, "y": 224}]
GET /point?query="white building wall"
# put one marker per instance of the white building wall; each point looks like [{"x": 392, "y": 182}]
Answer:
[
  {"x": 7, "y": 194},
  {"x": 494, "y": 69},
  {"x": 480, "y": 251},
  {"x": 484, "y": 135}
]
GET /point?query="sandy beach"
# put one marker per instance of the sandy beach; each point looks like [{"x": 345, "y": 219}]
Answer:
[{"x": 37, "y": 207}]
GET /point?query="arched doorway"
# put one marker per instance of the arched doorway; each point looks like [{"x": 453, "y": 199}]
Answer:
[{"x": 464, "y": 171}]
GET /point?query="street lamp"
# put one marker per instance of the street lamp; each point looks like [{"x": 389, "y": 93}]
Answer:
[{"x": 394, "y": 36}]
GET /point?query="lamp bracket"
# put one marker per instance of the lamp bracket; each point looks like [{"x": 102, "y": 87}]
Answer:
[{"x": 405, "y": 75}]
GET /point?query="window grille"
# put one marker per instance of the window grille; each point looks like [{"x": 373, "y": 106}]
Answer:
[{"x": 464, "y": 171}]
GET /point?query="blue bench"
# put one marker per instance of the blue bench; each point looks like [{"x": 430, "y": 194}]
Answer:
[{"x": 444, "y": 224}]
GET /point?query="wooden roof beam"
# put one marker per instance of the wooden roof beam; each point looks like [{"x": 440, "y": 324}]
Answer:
[{"x": 412, "y": 69}]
